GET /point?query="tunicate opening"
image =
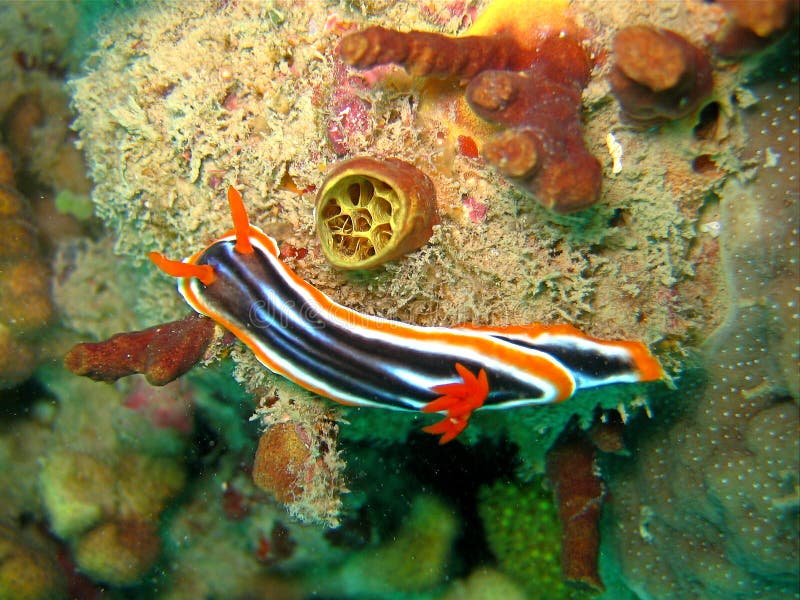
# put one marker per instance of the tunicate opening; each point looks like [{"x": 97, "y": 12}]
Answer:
[
  {"x": 381, "y": 209},
  {"x": 330, "y": 210},
  {"x": 367, "y": 192},
  {"x": 362, "y": 221},
  {"x": 354, "y": 192},
  {"x": 341, "y": 224},
  {"x": 381, "y": 235}
]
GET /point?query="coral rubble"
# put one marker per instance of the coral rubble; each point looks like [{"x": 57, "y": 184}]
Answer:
[{"x": 372, "y": 211}]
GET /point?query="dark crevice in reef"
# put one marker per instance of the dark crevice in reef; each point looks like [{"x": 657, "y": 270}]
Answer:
[{"x": 454, "y": 472}]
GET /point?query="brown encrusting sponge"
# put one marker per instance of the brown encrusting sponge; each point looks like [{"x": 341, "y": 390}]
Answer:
[
  {"x": 422, "y": 53},
  {"x": 573, "y": 473},
  {"x": 161, "y": 353},
  {"x": 658, "y": 75},
  {"x": 541, "y": 145},
  {"x": 533, "y": 95}
]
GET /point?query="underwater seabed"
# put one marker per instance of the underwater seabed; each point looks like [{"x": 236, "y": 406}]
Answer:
[{"x": 614, "y": 170}]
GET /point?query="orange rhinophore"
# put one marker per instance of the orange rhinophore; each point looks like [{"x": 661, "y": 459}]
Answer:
[{"x": 176, "y": 268}]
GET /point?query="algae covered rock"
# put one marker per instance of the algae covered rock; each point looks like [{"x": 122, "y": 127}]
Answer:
[
  {"x": 413, "y": 561},
  {"x": 77, "y": 491},
  {"x": 485, "y": 584},
  {"x": 28, "y": 569},
  {"x": 118, "y": 552},
  {"x": 524, "y": 534}
]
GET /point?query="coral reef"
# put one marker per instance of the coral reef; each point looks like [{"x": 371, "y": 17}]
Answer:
[
  {"x": 35, "y": 53},
  {"x": 535, "y": 97},
  {"x": 91, "y": 286},
  {"x": 36, "y": 128},
  {"x": 25, "y": 304},
  {"x": 710, "y": 509},
  {"x": 118, "y": 552},
  {"x": 658, "y": 75},
  {"x": 486, "y": 268},
  {"x": 22, "y": 443},
  {"x": 161, "y": 353},
  {"x": 182, "y": 98},
  {"x": 485, "y": 584},
  {"x": 372, "y": 211},
  {"x": 212, "y": 552},
  {"x": 34, "y": 112},
  {"x": 106, "y": 478}
]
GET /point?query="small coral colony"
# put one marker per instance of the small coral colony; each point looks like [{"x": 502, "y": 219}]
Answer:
[{"x": 512, "y": 88}]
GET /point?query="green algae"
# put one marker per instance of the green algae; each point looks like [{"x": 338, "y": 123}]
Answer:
[{"x": 524, "y": 534}]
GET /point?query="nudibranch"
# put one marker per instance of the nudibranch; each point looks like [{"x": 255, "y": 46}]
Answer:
[{"x": 298, "y": 332}]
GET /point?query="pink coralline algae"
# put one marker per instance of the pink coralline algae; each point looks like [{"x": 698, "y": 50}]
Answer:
[
  {"x": 475, "y": 208},
  {"x": 166, "y": 407},
  {"x": 349, "y": 114}
]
